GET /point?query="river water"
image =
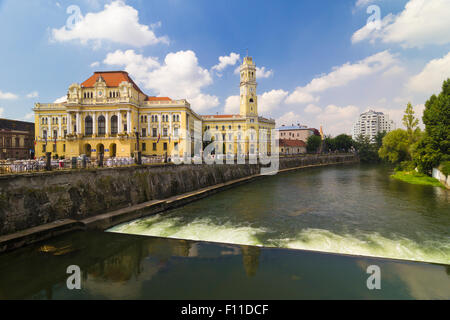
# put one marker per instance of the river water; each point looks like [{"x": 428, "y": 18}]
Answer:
[{"x": 356, "y": 210}]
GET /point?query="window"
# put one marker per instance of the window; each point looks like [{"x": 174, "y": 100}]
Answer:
[
  {"x": 101, "y": 125},
  {"x": 55, "y": 134},
  {"x": 154, "y": 146},
  {"x": 88, "y": 125},
  {"x": 165, "y": 146},
  {"x": 44, "y": 134},
  {"x": 144, "y": 132},
  {"x": 54, "y": 148},
  {"x": 155, "y": 132},
  {"x": 176, "y": 146},
  {"x": 125, "y": 127},
  {"x": 175, "y": 132},
  {"x": 114, "y": 125},
  {"x": 223, "y": 128},
  {"x": 165, "y": 132},
  {"x": 64, "y": 147},
  {"x": 144, "y": 147},
  {"x": 44, "y": 148}
]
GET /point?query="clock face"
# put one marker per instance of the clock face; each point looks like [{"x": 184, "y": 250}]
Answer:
[{"x": 100, "y": 93}]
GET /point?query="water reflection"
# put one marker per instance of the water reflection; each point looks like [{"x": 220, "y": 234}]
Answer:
[{"x": 118, "y": 266}]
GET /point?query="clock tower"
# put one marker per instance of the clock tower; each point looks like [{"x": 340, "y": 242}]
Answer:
[{"x": 248, "y": 97}]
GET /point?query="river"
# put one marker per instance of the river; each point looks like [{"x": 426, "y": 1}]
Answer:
[{"x": 357, "y": 210}]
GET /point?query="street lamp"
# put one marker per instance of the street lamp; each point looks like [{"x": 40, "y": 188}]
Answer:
[{"x": 138, "y": 154}]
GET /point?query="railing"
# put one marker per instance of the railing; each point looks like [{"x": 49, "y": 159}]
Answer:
[{"x": 24, "y": 166}]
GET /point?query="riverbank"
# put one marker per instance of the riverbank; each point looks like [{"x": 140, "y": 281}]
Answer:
[
  {"x": 160, "y": 200},
  {"x": 417, "y": 178}
]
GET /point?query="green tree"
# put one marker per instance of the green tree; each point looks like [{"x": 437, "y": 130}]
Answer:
[
  {"x": 410, "y": 121},
  {"x": 367, "y": 151},
  {"x": 396, "y": 147},
  {"x": 343, "y": 142},
  {"x": 329, "y": 144},
  {"x": 313, "y": 144},
  {"x": 433, "y": 148},
  {"x": 379, "y": 139}
]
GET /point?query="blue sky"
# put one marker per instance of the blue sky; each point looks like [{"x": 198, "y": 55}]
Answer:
[{"x": 321, "y": 62}]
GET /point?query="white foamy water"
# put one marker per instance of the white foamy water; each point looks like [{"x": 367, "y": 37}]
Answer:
[{"x": 367, "y": 244}]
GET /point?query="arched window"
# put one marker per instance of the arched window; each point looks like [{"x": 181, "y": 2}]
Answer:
[
  {"x": 251, "y": 100},
  {"x": 114, "y": 125},
  {"x": 101, "y": 125},
  {"x": 88, "y": 125}
]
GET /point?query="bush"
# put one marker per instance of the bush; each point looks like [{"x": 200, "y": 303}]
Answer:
[{"x": 445, "y": 168}]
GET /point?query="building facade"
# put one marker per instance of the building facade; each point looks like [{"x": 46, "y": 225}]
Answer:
[
  {"x": 291, "y": 147},
  {"x": 242, "y": 133},
  {"x": 109, "y": 114},
  {"x": 371, "y": 123},
  {"x": 16, "y": 140},
  {"x": 297, "y": 132}
]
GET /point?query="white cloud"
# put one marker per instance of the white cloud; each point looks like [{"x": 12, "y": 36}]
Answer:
[
  {"x": 270, "y": 101},
  {"x": 430, "y": 79},
  {"x": 33, "y": 94},
  {"x": 261, "y": 73},
  {"x": 7, "y": 96},
  {"x": 61, "y": 100},
  {"x": 226, "y": 61},
  {"x": 135, "y": 64},
  {"x": 179, "y": 77},
  {"x": 300, "y": 97},
  {"x": 337, "y": 120},
  {"x": 313, "y": 109},
  {"x": 289, "y": 118},
  {"x": 394, "y": 71},
  {"x": 421, "y": 23},
  {"x": 341, "y": 76},
  {"x": 117, "y": 22},
  {"x": 95, "y": 64},
  {"x": 232, "y": 105}
]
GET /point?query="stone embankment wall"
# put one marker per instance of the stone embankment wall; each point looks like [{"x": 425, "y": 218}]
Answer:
[
  {"x": 30, "y": 200},
  {"x": 445, "y": 180}
]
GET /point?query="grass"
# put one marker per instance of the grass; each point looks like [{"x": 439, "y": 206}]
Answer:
[{"x": 417, "y": 178}]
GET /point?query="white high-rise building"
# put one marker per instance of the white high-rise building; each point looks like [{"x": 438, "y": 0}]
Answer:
[{"x": 372, "y": 122}]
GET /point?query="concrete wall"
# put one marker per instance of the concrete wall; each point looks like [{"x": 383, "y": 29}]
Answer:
[
  {"x": 30, "y": 200},
  {"x": 445, "y": 180}
]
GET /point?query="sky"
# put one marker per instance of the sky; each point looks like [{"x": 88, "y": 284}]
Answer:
[{"x": 320, "y": 63}]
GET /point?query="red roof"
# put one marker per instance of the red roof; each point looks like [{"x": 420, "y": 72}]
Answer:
[
  {"x": 158, "y": 99},
  {"x": 292, "y": 143},
  {"x": 112, "y": 79}
]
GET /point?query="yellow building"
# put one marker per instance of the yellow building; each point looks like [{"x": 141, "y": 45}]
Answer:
[
  {"x": 108, "y": 113},
  {"x": 241, "y": 133},
  {"x": 104, "y": 113}
]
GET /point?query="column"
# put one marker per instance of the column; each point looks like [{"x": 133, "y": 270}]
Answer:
[
  {"x": 60, "y": 126},
  {"x": 50, "y": 133},
  {"x": 69, "y": 123},
  {"x": 170, "y": 124},
  {"x": 159, "y": 123},
  {"x": 119, "y": 121},
  {"x": 107, "y": 124},
  {"x": 149, "y": 116},
  {"x": 94, "y": 124},
  {"x": 128, "y": 122},
  {"x": 78, "y": 123}
]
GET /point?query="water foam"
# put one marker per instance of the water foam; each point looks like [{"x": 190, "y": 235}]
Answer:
[{"x": 364, "y": 244}]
